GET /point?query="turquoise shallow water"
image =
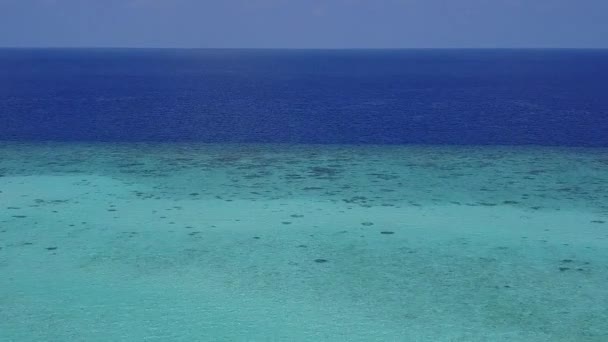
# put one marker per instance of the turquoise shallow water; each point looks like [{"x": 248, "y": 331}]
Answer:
[{"x": 182, "y": 242}]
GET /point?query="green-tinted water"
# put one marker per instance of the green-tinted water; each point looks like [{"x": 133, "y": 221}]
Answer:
[{"x": 103, "y": 242}]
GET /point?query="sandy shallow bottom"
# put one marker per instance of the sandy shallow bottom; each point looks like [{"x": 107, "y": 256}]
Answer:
[{"x": 105, "y": 242}]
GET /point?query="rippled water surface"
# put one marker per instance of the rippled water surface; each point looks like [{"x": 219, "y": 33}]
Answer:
[{"x": 182, "y": 242}]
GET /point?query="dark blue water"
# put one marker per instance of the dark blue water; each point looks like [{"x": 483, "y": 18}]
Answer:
[{"x": 544, "y": 97}]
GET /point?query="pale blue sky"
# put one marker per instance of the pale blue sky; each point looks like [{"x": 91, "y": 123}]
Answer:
[{"x": 304, "y": 23}]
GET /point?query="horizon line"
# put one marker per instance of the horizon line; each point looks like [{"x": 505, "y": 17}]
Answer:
[{"x": 295, "y": 48}]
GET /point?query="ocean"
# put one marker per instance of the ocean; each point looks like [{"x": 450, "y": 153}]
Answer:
[
  {"x": 303, "y": 195},
  {"x": 470, "y": 97}
]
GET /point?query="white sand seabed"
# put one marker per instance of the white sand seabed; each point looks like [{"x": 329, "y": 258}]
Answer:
[{"x": 84, "y": 258}]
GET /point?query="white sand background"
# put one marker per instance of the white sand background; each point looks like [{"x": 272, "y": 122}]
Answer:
[{"x": 83, "y": 258}]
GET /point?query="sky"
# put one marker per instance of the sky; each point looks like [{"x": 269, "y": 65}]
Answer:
[{"x": 305, "y": 23}]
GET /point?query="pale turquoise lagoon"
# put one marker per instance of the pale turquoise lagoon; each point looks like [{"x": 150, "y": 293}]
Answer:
[{"x": 194, "y": 242}]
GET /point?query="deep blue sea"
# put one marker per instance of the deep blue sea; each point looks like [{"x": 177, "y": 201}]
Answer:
[{"x": 478, "y": 97}]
